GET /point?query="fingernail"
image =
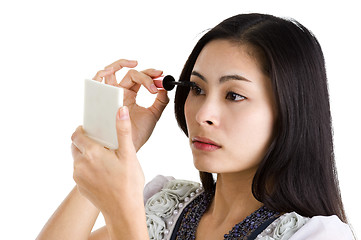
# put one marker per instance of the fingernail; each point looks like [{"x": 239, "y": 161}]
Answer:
[
  {"x": 158, "y": 78},
  {"x": 123, "y": 113},
  {"x": 153, "y": 88}
]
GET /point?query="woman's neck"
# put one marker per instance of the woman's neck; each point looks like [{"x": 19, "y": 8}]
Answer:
[{"x": 233, "y": 200}]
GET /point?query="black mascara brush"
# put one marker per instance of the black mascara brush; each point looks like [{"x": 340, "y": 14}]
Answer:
[{"x": 168, "y": 83}]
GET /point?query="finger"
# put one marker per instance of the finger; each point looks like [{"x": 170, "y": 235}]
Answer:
[
  {"x": 119, "y": 64},
  {"x": 153, "y": 73},
  {"x": 75, "y": 150},
  {"x": 129, "y": 97},
  {"x": 110, "y": 78},
  {"x": 133, "y": 79},
  {"x": 109, "y": 71},
  {"x": 102, "y": 73},
  {"x": 158, "y": 82},
  {"x": 156, "y": 75},
  {"x": 124, "y": 133},
  {"x": 159, "y": 104},
  {"x": 83, "y": 143},
  {"x": 77, "y": 156},
  {"x": 75, "y": 140}
]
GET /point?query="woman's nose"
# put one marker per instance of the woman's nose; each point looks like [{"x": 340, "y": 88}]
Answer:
[{"x": 208, "y": 114}]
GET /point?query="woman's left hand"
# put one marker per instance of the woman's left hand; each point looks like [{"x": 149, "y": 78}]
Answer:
[{"x": 111, "y": 179}]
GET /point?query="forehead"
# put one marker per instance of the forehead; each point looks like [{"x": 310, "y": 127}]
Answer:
[{"x": 223, "y": 57}]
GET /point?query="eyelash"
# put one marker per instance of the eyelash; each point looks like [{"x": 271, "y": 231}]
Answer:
[
  {"x": 195, "y": 89},
  {"x": 232, "y": 96}
]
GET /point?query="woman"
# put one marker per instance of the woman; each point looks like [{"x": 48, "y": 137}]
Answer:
[{"x": 257, "y": 114}]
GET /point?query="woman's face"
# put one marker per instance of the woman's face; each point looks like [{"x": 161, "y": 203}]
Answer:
[{"x": 231, "y": 112}]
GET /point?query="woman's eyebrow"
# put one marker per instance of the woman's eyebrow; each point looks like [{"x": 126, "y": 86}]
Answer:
[
  {"x": 223, "y": 78},
  {"x": 233, "y": 77},
  {"x": 195, "y": 73}
]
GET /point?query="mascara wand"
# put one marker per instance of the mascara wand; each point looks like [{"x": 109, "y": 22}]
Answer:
[{"x": 169, "y": 83}]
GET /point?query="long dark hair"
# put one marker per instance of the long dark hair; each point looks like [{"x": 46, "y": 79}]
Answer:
[{"x": 298, "y": 171}]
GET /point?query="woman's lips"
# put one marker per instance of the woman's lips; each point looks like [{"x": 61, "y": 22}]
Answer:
[{"x": 205, "y": 144}]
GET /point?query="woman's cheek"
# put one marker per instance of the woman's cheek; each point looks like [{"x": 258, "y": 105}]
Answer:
[{"x": 190, "y": 111}]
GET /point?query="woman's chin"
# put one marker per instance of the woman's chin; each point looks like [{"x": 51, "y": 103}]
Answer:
[{"x": 205, "y": 165}]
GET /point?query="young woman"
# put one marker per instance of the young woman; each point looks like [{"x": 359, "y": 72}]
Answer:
[{"x": 257, "y": 115}]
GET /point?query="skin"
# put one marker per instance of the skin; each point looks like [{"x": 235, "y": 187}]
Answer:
[
  {"x": 238, "y": 114},
  {"x": 112, "y": 181}
]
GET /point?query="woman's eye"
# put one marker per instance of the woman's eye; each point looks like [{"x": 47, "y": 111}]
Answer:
[
  {"x": 197, "y": 90},
  {"x": 235, "y": 97}
]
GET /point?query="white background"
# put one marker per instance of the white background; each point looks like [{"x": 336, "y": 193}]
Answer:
[{"x": 47, "y": 49}]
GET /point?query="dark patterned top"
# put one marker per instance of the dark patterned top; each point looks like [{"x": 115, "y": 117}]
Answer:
[{"x": 188, "y": 222}]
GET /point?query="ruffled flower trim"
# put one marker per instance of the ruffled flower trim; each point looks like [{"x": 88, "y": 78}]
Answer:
[
  {"x": 284, "y": 227},
  {"x": 163, "y": 208}
]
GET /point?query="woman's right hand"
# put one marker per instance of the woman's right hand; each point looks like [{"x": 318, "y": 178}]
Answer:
[{"x": 143, "y": 120}]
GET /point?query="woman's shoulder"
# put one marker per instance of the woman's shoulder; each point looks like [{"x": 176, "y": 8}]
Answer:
[
  {"x": 296, "y": 227},
  {"x": 163, "y": 183},
  {"x": 155, "y": 185},
  {"x": 165, "y": 198}
]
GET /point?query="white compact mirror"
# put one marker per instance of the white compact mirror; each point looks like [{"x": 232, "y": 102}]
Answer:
[{"x": 101, "y": 103}]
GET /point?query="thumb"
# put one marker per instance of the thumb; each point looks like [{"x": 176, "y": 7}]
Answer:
[{"x": 124, "y": 132}]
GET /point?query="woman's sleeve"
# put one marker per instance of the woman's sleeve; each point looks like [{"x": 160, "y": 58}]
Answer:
[
  {"x": 155, "y": 186},
  {"x": 324, "y": 228}
]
